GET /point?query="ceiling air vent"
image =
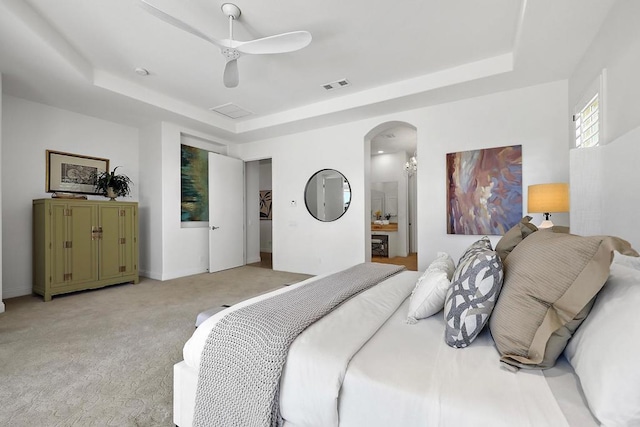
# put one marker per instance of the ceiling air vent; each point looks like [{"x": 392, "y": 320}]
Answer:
[
  {"x": 231, "y": 110},
  {"x": 336, "y": 85}
]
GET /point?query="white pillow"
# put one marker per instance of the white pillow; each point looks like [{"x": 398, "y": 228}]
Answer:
[
  {"x": 428, "y": 296},
  {"x": 604, "y": 350},
  {"x": 626, "y": 260},
  {"x": 443, "y": 262}
]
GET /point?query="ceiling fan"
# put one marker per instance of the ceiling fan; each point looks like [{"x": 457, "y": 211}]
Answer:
[{"x": 232, "y": 49}]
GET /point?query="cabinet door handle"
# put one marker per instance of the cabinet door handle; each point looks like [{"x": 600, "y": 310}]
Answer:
[{"x": 96, "y": 233}]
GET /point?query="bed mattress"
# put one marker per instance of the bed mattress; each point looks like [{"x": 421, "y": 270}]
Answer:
[{"x": 363, "y": 365}]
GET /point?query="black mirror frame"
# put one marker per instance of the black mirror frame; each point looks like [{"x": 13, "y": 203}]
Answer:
[{"x": 348, "y": 204}]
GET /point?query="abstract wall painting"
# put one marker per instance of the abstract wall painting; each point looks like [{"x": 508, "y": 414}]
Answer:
[
  {"x": 265, "y": 204},
  {"x": 194, "y": 184},
  {"x": 484, "y": 190}
]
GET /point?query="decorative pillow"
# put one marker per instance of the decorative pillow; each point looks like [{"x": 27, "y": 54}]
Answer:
[
  {"x": 428, "y": 296},
  {"x": 471, "y": 297},
  {"x": 443, "y": 262},
  {"x": 559, "y": 229},
  {"x": 515, "y": 235},
  {"x": 477, "y": 246},
  {"x": 604, "y": 351},
  {"x": 550, "y": 281}
]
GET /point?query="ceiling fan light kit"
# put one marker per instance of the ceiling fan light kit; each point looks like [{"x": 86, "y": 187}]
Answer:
[
  {"x": 232, "y": 49},
  {"x": 231, "y": 10}
]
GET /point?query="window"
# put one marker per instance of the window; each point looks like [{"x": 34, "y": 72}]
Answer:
[
  {"x": 588, "y": 124},
  {"x": 590, "y": 113}
]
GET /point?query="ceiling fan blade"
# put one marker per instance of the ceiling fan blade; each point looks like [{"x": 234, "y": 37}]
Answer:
[
  {"x": 176, "y": 22},
  {"x": 231, "y": 77},
  {"x": 280, "y": 43}
]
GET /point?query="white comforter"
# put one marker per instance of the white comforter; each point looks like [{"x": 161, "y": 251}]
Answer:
[{"x": 362, "y": 365}]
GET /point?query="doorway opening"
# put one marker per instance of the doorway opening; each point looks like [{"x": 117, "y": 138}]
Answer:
[
  {"x": 259, "y": 223},
  {"x": 391, "y": 194}
]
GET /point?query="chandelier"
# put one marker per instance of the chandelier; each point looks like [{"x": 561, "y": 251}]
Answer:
[{"x": 411, "y": 166}]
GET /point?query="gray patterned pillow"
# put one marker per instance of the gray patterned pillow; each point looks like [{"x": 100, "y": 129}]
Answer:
[
  {"x": 476, "y": 284},
  {"x": 477, "y": 246}
]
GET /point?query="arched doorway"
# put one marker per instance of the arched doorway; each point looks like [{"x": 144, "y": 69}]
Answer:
[{"x": 391, "y": 194}]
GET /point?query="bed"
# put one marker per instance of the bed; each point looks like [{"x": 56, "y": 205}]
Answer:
[
  {"x": 370, "y": 362},
  {"x": 377, "y": 370}
]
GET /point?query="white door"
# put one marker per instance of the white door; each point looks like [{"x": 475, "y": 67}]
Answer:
[
  {"x": 333, "y": 197},
  {"x": 226, "y": 212}
]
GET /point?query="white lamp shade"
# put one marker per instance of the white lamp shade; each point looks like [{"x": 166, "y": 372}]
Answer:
[{"x": 546, "y": 198}]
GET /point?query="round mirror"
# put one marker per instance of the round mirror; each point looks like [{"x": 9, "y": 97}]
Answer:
[{"x": 327, "y": 195}]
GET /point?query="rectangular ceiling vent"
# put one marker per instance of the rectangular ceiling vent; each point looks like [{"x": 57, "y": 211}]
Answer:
[
  {"x": 231, "y": 110},
  {"x": 336, "y": 85}
]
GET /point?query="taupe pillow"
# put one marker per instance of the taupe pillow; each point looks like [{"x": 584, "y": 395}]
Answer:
[
  {"x": 549, "y": 285},
  {"x": 515, "y": 235}
]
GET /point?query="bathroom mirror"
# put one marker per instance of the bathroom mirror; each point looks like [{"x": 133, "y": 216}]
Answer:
[
  {"x": 327, "y": 195},
  {"x": 384, "y": 201}
]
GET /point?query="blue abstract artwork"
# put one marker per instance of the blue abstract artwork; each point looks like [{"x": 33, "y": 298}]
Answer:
[{"x": 194, "y": 184}]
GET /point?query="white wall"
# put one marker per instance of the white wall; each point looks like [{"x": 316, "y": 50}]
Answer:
[
  {"x": 605, "y": 188},
  {"x": 1, "y": 302},
  {"x": 185, "y": 251},
  {"x": 390, "y": 168},
  {"x": 604, "y": 180},
  {"x": 413, "y": 213},
  {"x": 266, "y": 225},
  {"x": 150, "y": 204},
  {"x": 615, "y": 49},
  {"x": 28, "y": 130},
  {"x": 150, "y": 157},
  {"x": 534, "y": 117},
  {"x": 621, "y": 190},
  {"x": 301, "y": 243}
]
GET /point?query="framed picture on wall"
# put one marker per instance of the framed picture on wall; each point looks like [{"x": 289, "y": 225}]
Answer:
[
  {"x": 484, "y": 190},
  {"x": 73, "y": 173},
  {"x": 265, "y": 204},
  {"x": 194, "y": 184}
]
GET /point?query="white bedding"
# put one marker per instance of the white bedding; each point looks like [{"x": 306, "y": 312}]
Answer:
[
  {"x": 363, "y": 365},
  {"x": 410, "y": 369},
  {"x": 319, "y": 358}
]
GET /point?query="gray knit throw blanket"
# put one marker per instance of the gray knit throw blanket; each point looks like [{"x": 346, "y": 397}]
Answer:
[{"x": 245, "y": 352}]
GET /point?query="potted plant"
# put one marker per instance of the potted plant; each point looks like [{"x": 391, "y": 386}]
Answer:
[{"x": 111, "y": 185}]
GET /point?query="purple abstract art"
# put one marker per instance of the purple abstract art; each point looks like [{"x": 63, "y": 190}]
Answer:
[{"x": 484, "y": 190}]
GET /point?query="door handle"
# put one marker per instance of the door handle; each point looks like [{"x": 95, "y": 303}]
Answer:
[
  {"x": 96, "y": 233},
  {"x": 213, "y": 227}
]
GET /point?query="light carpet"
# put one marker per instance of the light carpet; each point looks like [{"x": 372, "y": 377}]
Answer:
[{"x": 105, "y": 357}]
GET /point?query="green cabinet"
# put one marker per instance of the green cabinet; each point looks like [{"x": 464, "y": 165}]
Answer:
[{"x": 83, "y": 244}]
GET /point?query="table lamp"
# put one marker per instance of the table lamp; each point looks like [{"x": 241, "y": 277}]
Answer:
[{"x": 547, "y": 198}]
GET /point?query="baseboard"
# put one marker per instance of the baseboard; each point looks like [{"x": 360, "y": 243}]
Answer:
[
  {"x": 1, "y": 306},
  {"x": 183, "y": 273},
  {"x": 172, "y": 275},
  {"x": 252, "y": 260},
  {"x": 150, "y": 274}
]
